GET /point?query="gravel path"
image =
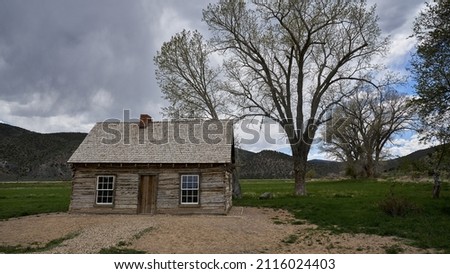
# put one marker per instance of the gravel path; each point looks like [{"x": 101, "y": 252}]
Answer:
[{"x": 244, "y": 230}]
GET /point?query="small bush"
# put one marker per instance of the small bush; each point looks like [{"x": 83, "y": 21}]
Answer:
[
  {"x": 351, "y": 172},
  {"x": 311, "y": 174},
  {"x": 397, "y": 206}
]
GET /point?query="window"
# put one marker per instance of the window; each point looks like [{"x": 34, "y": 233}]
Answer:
[
  {"x": 105, "y": 190},
  {"x": 189, "y": 189}
]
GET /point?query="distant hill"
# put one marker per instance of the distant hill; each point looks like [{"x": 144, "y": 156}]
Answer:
[
  {"x": 265, "y": 164},
  {"x": 417, "y": 161},
  {"x": 272, "y": 164},
  {"x": 28, "y": 155}
]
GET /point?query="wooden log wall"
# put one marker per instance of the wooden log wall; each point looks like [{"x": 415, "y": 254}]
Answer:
[{"x": 215, "y": 189}]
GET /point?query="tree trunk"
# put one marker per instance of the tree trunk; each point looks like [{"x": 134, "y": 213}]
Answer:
[
  {"x": 236, "y": 175},
  {"x": 300, "y": 157},
  {"x": 369, "y": 167},
  {"x": 437, "y": 185},
  {"x": 437, "y": 174},
  {"x": 368, "y": 170},
  {"x": 236, "y": 184}
]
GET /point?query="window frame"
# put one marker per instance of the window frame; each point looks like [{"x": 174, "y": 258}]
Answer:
[
  {"x": 97, "y": 190},
  {"x": 197, "y": 203}
]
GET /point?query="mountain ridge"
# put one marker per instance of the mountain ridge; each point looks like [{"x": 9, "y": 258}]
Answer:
[{"x": 29, "y": 155}]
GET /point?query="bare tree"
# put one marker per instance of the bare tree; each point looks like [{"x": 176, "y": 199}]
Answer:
[
  {"x": 292, "y": 61},
  {"x": 190, "y": 84},
  {"x": 362, "y": 125},
  {"x": 187, "y": 79}
]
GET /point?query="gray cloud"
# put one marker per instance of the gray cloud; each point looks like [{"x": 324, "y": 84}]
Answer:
[
  {"x": 71, "y": 57},
  {"x": 396, "y": 15},
  {"x": 83, "y": 61}
]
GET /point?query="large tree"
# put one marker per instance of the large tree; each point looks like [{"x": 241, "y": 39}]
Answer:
[
  {"x": 292, "y": 61},
  {"x": 431, "y": 70},
  {"x": 360, "y": 127},
  {"x": 431, "y": 66},
  {"x": 191, "y": 84},
  {"x": 188, "y": 80}
]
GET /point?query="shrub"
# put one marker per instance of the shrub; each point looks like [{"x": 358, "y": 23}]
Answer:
[
  {"x": 311, "y": 174},
  {"x": 396, "y": 206},
  {"x": 350, "y": 171}
]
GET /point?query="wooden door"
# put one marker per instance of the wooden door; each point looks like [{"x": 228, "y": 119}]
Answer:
[{"x": 147, "y": 195}]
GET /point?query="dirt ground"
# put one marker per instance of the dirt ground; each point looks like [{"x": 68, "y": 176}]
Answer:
[{"x": 244, "y": 230}]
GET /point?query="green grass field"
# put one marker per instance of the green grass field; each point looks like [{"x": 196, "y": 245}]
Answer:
[
  {"x": 354, "y": 206},
  {"x": 21, "y": 199},
  {"x": 341, "y": 206}
]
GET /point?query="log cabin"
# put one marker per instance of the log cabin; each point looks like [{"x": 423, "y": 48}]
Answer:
[{"x": 152, "y": 167}]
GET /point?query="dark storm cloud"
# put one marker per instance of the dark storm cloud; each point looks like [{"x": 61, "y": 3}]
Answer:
[{"x": 92, "y": 59}]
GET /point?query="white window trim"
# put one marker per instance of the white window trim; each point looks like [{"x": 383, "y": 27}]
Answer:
[
  {"x": 97, "y": 190},
  {"x": 198, "y": 190}
]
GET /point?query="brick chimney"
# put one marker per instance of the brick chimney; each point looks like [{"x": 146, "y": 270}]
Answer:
[{"x": 144, "y": 120}]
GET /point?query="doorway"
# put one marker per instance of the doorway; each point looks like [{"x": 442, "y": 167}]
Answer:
[{"x": 147, "y": 194}]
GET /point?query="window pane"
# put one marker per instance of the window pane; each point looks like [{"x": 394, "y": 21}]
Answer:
[
  {"x": 189, "y": 189},
  {"x": 105, "y": 189}
]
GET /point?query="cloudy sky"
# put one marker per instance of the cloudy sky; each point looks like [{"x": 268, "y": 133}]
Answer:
[{"x": 66, "y": 64}]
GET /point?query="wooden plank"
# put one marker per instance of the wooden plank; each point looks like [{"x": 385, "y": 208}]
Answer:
[{"x": 215, "y": 190}]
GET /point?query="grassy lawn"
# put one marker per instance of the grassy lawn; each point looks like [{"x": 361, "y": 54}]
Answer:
[
  {"x": 354, "y": 206},
  {"x": 21, "y": 199}
]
